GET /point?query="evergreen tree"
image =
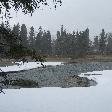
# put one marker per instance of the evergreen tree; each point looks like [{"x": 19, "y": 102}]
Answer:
[
  {"x": 62, "y": 31},
  {"x": 31, "y": 38},
  {"x": 23, "y": 35},
  {"x": 3, "y": 40},
  {"x": 102, "y": 41},
  {"x": 44, "y": 43},
  {"x": 58, "y": 34},
  {"x": 57, "y": 43},
  {"x": 38, "y": 41},
  {"x": 80, "y": 44},
  {"x": 109, "y": 43},
  {"x": 48, "y": 41},
  {"x": 62, "y": 42},
  {"x": 96, "y": 44},
  {"x": 86, "y": 40},
  {"x": 16, "y": 31},
  {"x": 73, "y": 44}
]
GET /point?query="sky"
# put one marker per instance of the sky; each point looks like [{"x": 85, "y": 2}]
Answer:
[{"x": 73, "y": 14}]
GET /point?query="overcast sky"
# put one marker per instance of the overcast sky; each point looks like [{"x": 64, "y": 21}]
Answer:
[{"x": 73, "y": 14}]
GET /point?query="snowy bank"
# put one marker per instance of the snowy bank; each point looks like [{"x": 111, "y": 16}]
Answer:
[
  {"x": 87, "y": 99},
  {"x": 27, "y": 66}
]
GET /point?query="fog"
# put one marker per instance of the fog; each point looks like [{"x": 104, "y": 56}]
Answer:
[{"x": 73, "y": 14}]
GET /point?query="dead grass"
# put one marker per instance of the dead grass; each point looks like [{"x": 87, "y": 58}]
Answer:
[
  {"x": 6, "y": 62},
  {"x": 88, "y": 58}
]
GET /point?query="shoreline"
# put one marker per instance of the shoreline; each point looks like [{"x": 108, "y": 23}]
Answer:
[
  {"x": 86, "y": 59},
  {"x": 62, "y": 75}
]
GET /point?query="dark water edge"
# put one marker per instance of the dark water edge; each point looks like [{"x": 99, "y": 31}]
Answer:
[{"x": 60, "y": 76}]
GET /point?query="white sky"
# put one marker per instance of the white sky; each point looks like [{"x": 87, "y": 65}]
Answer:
[{"x": 73, "y": 14}]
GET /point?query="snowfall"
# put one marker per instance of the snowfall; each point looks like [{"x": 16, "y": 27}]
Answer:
[{"x": 77, "y": 99}]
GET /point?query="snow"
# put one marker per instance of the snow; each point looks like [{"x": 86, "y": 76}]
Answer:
[
  {"x": 78, "y": 99},
  {"x": 101, "y": 79},
  {"x": 27, "y": 66}
]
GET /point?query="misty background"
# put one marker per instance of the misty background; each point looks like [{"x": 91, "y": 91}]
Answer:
[{"x": 73, "y": 14}]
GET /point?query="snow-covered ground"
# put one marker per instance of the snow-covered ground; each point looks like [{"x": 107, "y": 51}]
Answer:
[
  {"x": 87, "y": 99},
  {"x": 27, "y": 66}
]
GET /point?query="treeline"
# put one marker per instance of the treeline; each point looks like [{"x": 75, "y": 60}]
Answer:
[
  {"x": 72, "y": 44},
  {"x": 79, "y": 44},
  {"x": 23, "y": 43},
  {"x": 103, "y": 43},
  {"x": 40, "y": 41},
  {"x": 76, "y": 44}
]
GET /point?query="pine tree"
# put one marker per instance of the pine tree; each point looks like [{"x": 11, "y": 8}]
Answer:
[
  {"x": 31, "y": 38},
  {"x": 62, "y": 31},
  {"x": 23, "y": 35},
  {"x": 82, "y": 42},
  {"x": 3, "y": 40},
  {"x": 62, "y": 42},
  {"x": 57, "y": 43},
  {"x": 58, "y": 34},
  {"x": 48, "y": 39},
  {"x": 72, "y": 44},
  {"x": 86, "y": 40},
  {"x": 102, "y": 41},
  {"x": 109, "y": 43},
  {"x": 38, "y": 41},
  {"x": 16, "y": 31},
  {"x": 96, "y": 44},
  {"x": 44, "y": 43}
]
